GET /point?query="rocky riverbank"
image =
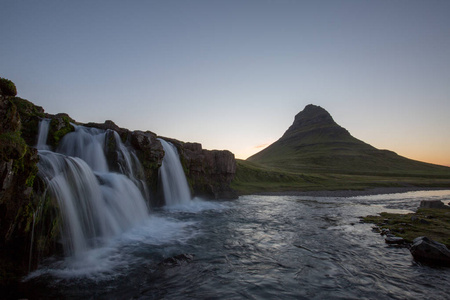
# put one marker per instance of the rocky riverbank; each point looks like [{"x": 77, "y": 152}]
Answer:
[{"x": 426, "y": 232}]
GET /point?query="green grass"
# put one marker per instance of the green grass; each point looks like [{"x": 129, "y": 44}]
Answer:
[
  {"x": 433, "y": 223},
  {"x": 254, "y": 178}
]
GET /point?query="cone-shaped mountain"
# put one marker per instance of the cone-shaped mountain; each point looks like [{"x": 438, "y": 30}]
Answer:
[{"x": 316, "y": 143}]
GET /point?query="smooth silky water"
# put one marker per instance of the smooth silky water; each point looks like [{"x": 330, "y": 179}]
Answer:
[{"x": 257, "y": 247}]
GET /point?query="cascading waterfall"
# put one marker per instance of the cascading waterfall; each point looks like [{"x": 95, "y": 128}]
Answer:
[
  {"x": 175, "y": 187},
  {"x": 95, "y": 204},
  {"x": 43, "y": 135}
]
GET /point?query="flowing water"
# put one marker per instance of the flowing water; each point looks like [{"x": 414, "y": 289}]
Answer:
[
  {"x": 174, "y": 183},
  {"x": 95, "y": 203},
  {"x": 257, "y": 247}
]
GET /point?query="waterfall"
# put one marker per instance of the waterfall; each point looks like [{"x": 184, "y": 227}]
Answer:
[
  {"x": 44, "y": 125},
  {"x": 175, "y": 187},
  {"x": 87, "y": 144},
  {"x": 95, "y": 204}
]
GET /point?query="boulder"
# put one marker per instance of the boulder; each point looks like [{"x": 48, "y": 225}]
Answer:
[
  {"x": 426, "y": 250},
  {"x": 432, "y": 204},
  {"x": 60, "y": 125}
]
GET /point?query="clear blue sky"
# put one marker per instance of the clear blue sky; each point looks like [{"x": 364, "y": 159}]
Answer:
[{"x": 233, "y": 74}]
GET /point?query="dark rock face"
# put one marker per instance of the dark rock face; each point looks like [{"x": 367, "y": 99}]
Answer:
[
  {"x": 432, "y": 204},
  {"x": 150, "y": 153},
  {"x": 426, "y": 250},
  {"x": 30, "y": 116},
  {"x": 312, "y": 115},
  {"x": 209, "y": 172},
  {"x": 314, "y": 121},
  {"x": 18, "y": 168}
]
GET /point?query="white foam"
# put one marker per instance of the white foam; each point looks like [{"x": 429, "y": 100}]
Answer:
[{"x": 196, "y": 205}]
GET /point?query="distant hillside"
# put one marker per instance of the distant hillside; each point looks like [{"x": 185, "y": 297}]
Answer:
[{"x": 315, "y": 143}]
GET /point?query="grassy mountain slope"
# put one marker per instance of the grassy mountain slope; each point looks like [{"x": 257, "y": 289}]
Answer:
[
  {"x": 315, "y": 143},
  {"x": 315, "y": 153}
]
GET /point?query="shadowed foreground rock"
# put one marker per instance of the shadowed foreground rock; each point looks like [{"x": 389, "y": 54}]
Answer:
[
  {"x": 424, "y": 249},
  {"x": 18, "y": 189}
]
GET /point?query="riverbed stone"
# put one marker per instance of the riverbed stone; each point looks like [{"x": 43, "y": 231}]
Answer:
[
  {"x": 433, "y": 204},
  {"x": 177, "y": 260},
  {"x": 394, "y": 240},
  {"x": 425, "y": 249}
]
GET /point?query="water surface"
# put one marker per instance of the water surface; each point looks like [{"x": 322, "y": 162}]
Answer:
[{"x": 258, "y": 247}]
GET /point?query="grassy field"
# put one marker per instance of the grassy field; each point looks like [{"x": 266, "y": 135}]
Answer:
[{"x": 254, "y": 178}]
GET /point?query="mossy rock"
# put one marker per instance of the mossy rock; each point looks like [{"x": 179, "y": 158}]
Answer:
[
  {"x": 30, "y": 116},
  {"x": 7, "y": 87},
  {"x": 60, "y": 125},
  {"x": 27, "y": 108},
  {"x": 431, "y": 222},
  {"x": 12, "y": 146}
]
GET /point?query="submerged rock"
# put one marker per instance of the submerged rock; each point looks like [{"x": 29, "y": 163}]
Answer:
[
  {"x": 426, "y": 250},
  {"x": 176, "y": 260},
  {"x": 432, "y": 204},
  {"x": 394, "y": 240}
]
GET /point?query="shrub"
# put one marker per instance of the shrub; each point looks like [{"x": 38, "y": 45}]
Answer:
[{"x": 7, "y": 87}]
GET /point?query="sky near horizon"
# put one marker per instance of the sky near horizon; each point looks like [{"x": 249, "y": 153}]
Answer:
[{"x": 233, "y": 74}]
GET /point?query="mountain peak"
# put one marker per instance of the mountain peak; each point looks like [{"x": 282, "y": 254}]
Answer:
[
  {"x": 316, "y": 143},
  {"x": 312, "y": 115},
  {"x": 312, "y": 119}
]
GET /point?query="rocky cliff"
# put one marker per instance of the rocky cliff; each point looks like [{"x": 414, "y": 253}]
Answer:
[
  {"x": 209, "y": 172},
  {"x": 19, "y": 195}
]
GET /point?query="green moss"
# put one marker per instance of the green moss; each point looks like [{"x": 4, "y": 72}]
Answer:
[
  {"x": 58, "y": 131},
  {"x": 12, "y": 146},
  {"x": 433, "y": 223},
  {"x": 30, "y": 179},
  {"x": 27, "y": 108},
  {"x": 7, "y": 87},
  {"x": 29, "y": 216}
]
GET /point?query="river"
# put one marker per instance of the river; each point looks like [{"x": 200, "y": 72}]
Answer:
[{"x": 257, "y": 247}]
